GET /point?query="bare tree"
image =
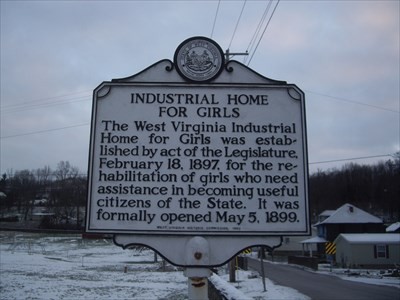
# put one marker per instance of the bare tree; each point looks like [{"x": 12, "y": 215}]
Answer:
[
  {"x": 65, "y": 170},
  {"x": 24, "y": 191},
  {"x": 69, "y": 192},
  {"x": 43, "y": 175}
]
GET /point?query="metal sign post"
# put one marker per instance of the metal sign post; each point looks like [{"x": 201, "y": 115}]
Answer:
[
  {"x": 198, "y": 152},
  {"x": 197, "y": 254}
]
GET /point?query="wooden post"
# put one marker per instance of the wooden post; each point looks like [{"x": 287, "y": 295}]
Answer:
[
  {"x": 232, "y": 270},
  {"x": 262, "y": 267}
]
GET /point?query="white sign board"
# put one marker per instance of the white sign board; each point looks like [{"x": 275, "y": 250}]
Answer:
[{"x": 198, "y": 159}]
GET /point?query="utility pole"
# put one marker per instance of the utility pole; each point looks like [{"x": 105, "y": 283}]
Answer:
[{"x": 228, "y": 54}]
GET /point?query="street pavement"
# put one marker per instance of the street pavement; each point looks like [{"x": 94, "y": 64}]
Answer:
[{"x": 319, "y": 286}]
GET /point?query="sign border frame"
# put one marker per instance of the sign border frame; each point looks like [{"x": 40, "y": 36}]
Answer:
[{"x": 105, "y": 87}]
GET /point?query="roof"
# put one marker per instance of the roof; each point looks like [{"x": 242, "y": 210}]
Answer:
[
  {"x": 370, "y": 238},
  {"x": 314, "y": 240},
  {"x": 394, "y": 227},
  {"x": 327, "y": 212},
  {"x": 348, "y": 213}
]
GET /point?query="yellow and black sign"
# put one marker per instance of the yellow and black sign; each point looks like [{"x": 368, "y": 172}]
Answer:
[
  {"x": 247, "y": 251},
  {"x": 330, "y": 248}
]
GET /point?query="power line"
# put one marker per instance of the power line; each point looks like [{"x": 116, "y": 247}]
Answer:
[
  {"x": 45, "y": 105},
  {"x": 321, "y": 94},
  {"x": 215, "y": 18},
  {"x": 43, "y": 131},
  {"x": 257, "y": 31},
  {"x": 237, "y": 23},
  {"x": 347, "y": 159},
  {"x": 21, "y": 107},
  {"x": 353, "y": 102},
  {"x": 45, "y": 100},
  {"x": 266, "y": 26}
]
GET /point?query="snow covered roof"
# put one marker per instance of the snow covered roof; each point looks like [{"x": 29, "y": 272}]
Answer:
[
  {"x": 38, "y": 202},
  {"x": 327, "y": 212},
  {"x": 368, "y": 238},
  {"x": 348, "y": 213},
  {"x": 314, "y": 240},
  {"x": 393, "y": 227}
]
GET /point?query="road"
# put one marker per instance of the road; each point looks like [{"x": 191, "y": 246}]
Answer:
[{"x": 325, "y": 287}]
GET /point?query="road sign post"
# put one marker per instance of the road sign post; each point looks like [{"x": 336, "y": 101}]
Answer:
[{"x": 198, "y": 148}]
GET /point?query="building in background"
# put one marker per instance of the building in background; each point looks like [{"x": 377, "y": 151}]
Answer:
[{"x": 368, "y": 250}]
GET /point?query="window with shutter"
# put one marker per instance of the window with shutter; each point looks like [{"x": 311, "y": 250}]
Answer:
[{"x": 381, "y": 251}]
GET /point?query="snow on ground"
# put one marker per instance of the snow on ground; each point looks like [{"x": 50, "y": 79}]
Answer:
[
  {"x": 376, "y": 276},
  {"x": 70, "y": 268},
  {"x": 251, "y": 285},
  {"x": 40, "y": 266}
]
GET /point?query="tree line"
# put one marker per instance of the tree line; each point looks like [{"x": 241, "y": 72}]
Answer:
[
  {"x": 373, "y": 188},
  {"x": 61, "y": 192}
]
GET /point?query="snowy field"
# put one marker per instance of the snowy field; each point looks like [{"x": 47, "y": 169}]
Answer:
[
  {"x": 34, "y": 266},
  {"x": 39, "y": 266}
]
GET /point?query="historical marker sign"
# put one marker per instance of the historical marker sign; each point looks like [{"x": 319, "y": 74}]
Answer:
[{"x": 174, "y": 153}]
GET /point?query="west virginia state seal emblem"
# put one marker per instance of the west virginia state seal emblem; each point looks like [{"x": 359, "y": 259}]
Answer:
[{"x": 199, "y": 59}]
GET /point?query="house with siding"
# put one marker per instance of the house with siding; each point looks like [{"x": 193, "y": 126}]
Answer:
[
  {"x": 348, "y": 219},
  {"x": 368, "y": 250},
  {"x": 331, "y": 223}
]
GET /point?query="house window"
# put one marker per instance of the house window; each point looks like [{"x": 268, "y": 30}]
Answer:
[{"x": 381, "y": 251}]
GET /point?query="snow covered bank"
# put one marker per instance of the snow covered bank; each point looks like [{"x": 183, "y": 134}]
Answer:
[{"x": 37, "y": 266}]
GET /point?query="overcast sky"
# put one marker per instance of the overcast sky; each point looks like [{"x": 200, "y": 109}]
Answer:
[{"x": 343, "y": 54}]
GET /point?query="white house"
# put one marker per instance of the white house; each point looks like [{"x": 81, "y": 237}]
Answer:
[{"x": 369, "y": 250}]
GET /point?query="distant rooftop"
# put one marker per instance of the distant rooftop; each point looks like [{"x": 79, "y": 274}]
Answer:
[
  {"x": 327, "y": 213},
  {"x": 348, "y": 213},
  {"x": 363, "y": 238},
  {"x": 394, "y": 227}
]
